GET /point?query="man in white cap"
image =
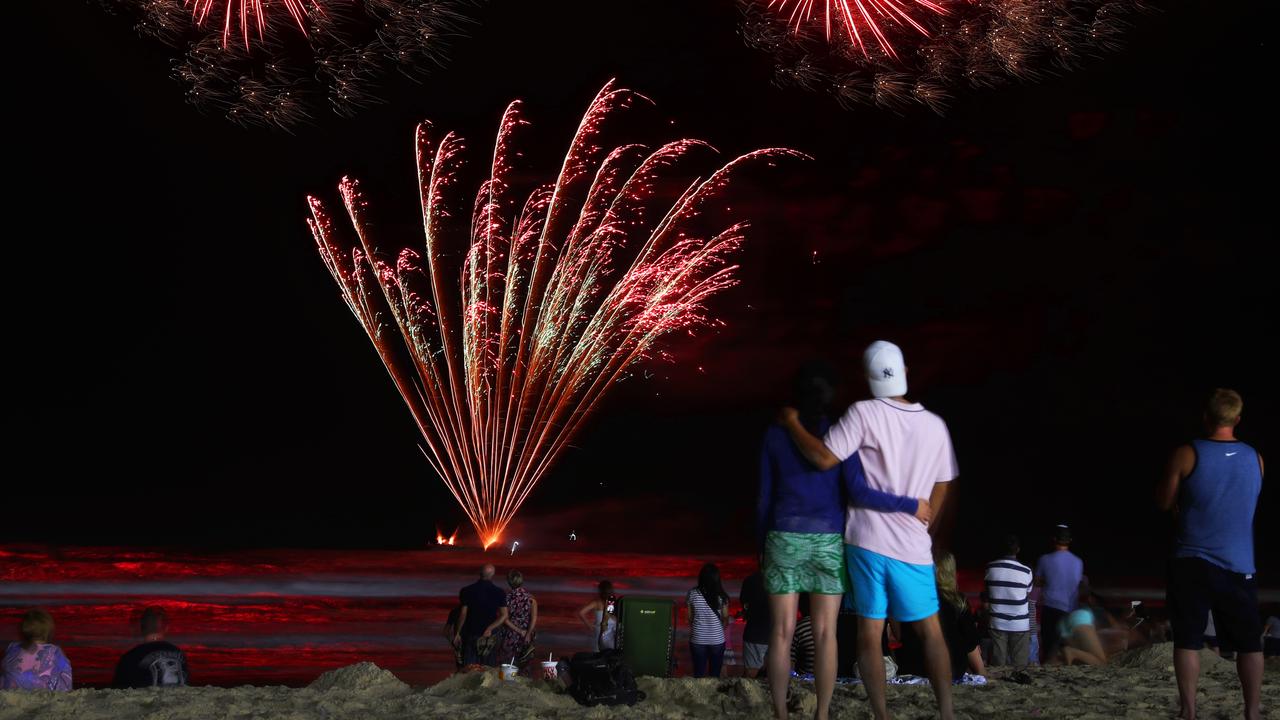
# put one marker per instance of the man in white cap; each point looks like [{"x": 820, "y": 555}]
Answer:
[{"x": 905, "y": 450}]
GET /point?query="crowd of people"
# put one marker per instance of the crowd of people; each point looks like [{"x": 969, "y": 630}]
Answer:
[
  {"x": 845, "y": 510},
  {"x": 848, "y": 569}
]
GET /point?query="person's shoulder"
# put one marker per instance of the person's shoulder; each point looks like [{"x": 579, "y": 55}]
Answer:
[
  {"x": 775, "y": 435},
  {"x": 933, "y": 420}
]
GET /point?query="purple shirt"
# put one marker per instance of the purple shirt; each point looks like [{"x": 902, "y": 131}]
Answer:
[
  {"x": 41, "y": 668},
  {"x": 1061, "y": 572}
]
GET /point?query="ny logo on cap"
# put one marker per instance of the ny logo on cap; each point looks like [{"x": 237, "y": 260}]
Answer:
[{"x": 888, "y": 372}]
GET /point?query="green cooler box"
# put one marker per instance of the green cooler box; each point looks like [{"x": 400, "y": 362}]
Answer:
[{"x": 646, "y": 634}]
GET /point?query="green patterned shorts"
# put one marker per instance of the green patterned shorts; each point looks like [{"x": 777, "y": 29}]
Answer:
[{"x": 804, "y": 563}]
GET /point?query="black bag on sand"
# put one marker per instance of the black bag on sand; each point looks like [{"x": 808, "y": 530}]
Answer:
[{"x": 602, "y": 679}]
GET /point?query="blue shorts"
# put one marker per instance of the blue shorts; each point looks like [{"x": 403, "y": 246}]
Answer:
[{"x": 884, "y": 586}]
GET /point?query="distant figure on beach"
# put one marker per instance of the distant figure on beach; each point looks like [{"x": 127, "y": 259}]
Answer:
[
  {"x": 1212, "y": 486},
  {"x": 759, "y": 624},
  {"x": 521, "y": 624},
  {"x": 800, "y": 523},
  {"x": 1060, "y": 575},
  {"x": 1006, "y": 587},
  {"x": 154, "y": 663},
  {"x": 904, "y": 450},
  {"x": 708, "y": 606},
  {"x": 959, "y": 628},
  {"x": 1271, "y": 637},
  {"x": 484, "y": 610},
  {"x": 601, "y": 618},
  {"x": 35, "y": 663},
  {"x": 452, "y": 625},
  {"x": 1078, "y": 642}
]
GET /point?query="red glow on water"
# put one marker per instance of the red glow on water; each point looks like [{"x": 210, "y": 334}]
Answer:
[{"x": 286, "y": 616}]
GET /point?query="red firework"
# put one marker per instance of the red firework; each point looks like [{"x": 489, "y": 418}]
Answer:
[
  {"x": 859, "y": 16},
  {"x": 247, "y": 14},
  {"x": 504, "y": 336}
]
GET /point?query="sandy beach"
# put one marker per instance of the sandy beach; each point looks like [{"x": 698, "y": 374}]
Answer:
[{"x": 1137, "y": 684}]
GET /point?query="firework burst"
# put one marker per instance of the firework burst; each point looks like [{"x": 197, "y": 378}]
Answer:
[
  {"x": 248, "y": 15},
  {"x": 858, "y": 17},
  {"x": 952, "y": 46},
  {"x": 274, "y": 62},
  {"x": 502, "y": 341}
]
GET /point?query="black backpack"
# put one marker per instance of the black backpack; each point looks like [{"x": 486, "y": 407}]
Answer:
[{"x": 602, "y": 679}]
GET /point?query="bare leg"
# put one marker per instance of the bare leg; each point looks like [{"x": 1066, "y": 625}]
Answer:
[
  {"x": 937, "y": 661},
  {"x": 1249, "y": 666},
  {"x": 1186, "y": 667},
  {"x": 871, "y": 664},
  {"x": 782, "y": 608},
  {"x": 824, "y": 611},
  {"x": 1086, "y": 647}
]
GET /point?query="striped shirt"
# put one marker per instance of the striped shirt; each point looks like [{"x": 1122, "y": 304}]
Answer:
[
  {"x": 1008, "y": 584},
  {"x": 704, "y": 623}
]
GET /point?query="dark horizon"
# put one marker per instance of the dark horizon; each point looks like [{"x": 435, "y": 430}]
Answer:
[{"x": 1070, "y": 267}]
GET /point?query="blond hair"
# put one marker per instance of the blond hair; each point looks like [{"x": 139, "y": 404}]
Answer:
[
  {"x": 944, "y": 569},
  {"x": 1223, "y": 408},
  {"x": 37, "y": 627}
]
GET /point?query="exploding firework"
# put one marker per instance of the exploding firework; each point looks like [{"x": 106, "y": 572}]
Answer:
[
  {"x": 249, "y": 15},
  {"x": 502, "y": 341},
  {"x": 273, "y": 63},
  {"x": 857, "y": 17},
  {"x": 970, "y": 44}
]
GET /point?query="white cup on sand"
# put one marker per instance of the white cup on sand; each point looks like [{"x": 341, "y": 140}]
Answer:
[
  {"x": 549, "y": 669},
  {"x": 508, "y": 671}
]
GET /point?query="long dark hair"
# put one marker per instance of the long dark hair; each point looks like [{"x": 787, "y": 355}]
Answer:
[
  {"x": 812, "y": 391},
  {"x": 711, "y": 588}
]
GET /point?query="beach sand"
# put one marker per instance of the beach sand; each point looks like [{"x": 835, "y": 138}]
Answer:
[{"x": 1137, "y": 684}]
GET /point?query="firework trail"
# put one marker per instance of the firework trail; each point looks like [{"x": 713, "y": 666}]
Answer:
[
  {"x": 502, "y": 354},
  {"x": 959, "y": 44},
  {"x": 247, "y": 14},
  {"x": 273, "y": 63},
  {"x": 857, "y": 17}
]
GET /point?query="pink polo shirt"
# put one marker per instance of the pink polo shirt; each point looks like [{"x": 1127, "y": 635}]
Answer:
[{"x": 905, "y": 449}]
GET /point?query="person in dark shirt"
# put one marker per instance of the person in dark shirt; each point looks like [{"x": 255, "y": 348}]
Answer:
[
  {"x": 755, "y": 610},
  {"x": 154, "y": 663},
  {"x": 451, "y": 627},
  {"x": 959, "y": 629},
  {"x": 484, "y": 609}
]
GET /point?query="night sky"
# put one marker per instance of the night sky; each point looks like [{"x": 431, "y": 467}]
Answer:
[{"x": 1069, "y": 267}]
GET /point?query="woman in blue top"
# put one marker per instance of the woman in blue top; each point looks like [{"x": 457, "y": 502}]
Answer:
[{"x": 800, "y": 523}]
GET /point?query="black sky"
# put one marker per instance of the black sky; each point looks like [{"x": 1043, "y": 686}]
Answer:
[{"x": 1069, "y": 266}]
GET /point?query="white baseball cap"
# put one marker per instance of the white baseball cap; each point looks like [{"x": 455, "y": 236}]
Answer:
[{"x": 886, "y": 370}]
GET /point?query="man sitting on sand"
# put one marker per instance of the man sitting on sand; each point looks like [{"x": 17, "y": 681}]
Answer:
[
  {"x": 154, "y": 663},
  {"x": 905, "y": 450},
  {"x": 1213, "y": 485},
  {"x": 484, "y": 609}
]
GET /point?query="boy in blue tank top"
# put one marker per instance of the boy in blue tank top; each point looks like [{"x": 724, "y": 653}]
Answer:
[{"x": 1212, "y": 486}]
